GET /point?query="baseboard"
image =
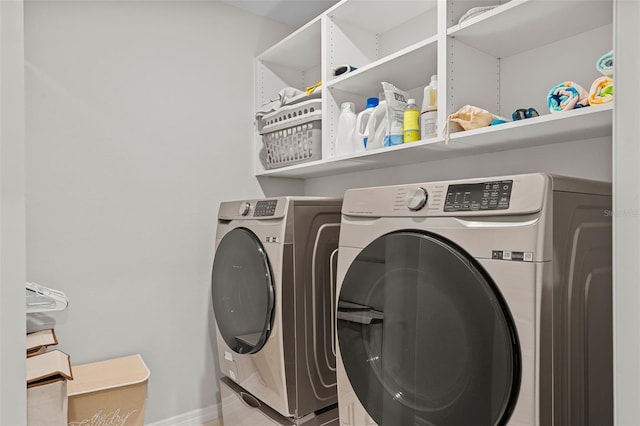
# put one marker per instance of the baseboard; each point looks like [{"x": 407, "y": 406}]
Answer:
[{"x": 192, "y": 418}]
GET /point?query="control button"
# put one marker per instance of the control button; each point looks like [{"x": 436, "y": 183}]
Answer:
[
  {"x": 244, "y": 208},
  {"x": 265, "y": 208},
  {"x": 416, "y": 198}
]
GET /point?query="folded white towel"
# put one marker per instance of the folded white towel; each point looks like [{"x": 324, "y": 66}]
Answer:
[{"x": 475, "y": 11}]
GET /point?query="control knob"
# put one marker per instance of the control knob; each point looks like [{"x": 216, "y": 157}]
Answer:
[
  {"x": 416, "y": 199},
  {"x": 244, "y": 208}
]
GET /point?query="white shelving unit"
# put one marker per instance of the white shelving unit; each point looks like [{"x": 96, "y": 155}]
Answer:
[
  {"x": 532, "y": 24},
  {"x": 504, "y": 59}
]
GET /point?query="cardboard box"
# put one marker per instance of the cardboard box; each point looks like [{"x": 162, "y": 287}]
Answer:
[
  {"x": 39, "y": 341},
  {"x": 111, "y": 392},
  {"x": 47, "y": 375}
]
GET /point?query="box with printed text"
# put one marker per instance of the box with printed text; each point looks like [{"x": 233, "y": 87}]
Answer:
[{"x": 111, "y": 392}]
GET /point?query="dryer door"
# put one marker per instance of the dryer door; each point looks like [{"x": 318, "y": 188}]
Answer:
[
  {"x": 242, "y": 291},
  {"x": 425, "y": 336}
]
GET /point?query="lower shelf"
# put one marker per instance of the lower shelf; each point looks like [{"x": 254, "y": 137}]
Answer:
[{"x": 581, "y": 124}]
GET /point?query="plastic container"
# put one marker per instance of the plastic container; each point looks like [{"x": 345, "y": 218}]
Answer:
[
  {"x": 378, "y": 126},
  {"x": 361, "y": 134},
  {"x": 346, "y": 126},
  {"x": 411, "y": 129},
  {"x": 429, "y": 124},
  {"x": 429, "y": 110},
  {"x": 292, "y": 135},
  {"x": 430, "y": 99}
]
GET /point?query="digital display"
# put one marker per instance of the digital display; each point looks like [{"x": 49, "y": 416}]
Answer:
[
  {"x": 478, "y": 196},
  {"x": 265, "y": 208}
]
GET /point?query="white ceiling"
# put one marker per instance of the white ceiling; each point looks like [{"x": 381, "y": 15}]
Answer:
[{"x": 292, "y": 12}]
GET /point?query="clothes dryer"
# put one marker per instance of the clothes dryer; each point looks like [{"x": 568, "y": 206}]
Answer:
[
  {"x": 273, "y": 294},
  {"x": 476, "y": 302}
]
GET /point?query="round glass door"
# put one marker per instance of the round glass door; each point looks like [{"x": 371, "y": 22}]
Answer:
[
  {"x": 242, "y": 291},
  {"x": 424, "y": 335}
]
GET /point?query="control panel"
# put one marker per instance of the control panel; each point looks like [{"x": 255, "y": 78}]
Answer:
[
  {"x": 494, "y": 195},
  {"x": 265, "y": 208},
  {"x": 488, "y": 196}
]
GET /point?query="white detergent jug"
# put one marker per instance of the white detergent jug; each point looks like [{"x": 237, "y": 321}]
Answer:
[
  {"x": 361, "y": 135},
  {"x": 378, "y": 126},
  {"x": 346, "y": 127}
]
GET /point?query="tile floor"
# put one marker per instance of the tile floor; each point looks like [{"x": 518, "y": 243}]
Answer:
[{"x": 216, "y": 422}]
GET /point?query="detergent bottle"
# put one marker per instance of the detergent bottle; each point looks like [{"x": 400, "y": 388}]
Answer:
[
  {"x": 361, "y": 134},
  {"x": 346, "y": 127},
  {"x": 429, "y": 111},
  {"x": 378, "y": 126}
]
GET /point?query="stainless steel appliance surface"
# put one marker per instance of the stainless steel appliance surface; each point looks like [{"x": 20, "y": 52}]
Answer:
[
  {"x": 476, "y": 302},
  {"x": 240, "y": 408},
  {"x": 273, "y": 294}
]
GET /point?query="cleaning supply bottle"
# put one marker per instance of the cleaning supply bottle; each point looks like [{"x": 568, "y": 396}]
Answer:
[
  {"x": 411, "y": 130},
  {"x": 429, "y": 111},
  {"x": 378, "y": 126},
  {"x": 346, "y": 127},
  {"x": 362, "y": 124}
]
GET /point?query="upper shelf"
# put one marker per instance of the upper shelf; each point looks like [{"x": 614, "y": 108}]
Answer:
[
  {"x": 379, "y": 16},
  {"x": 299, "y": 50},
  {"x": 585, "y": 123},
  {"x": 407, "y": 68},
  {"x": 521, "y": 25}
]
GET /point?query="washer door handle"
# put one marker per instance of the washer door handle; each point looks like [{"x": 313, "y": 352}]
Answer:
[{"x": 332, "y": 279}]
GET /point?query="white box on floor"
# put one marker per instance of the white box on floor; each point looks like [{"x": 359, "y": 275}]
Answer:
[{"x": 47, "y": 375}]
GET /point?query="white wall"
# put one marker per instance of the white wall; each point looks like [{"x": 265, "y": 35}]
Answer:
[
  {"x": 12, "y": 220},
  {"x": 589, "y": 159},
  {"x": 139, "y": 122},
  {"x": 626, "y": 209}
]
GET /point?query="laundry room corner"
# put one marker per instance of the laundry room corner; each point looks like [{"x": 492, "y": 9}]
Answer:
[
  {"x": 136, "y": 130},
  {"x": 319, "y": 212}
]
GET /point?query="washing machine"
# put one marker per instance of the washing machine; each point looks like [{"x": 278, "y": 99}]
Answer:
[
  {"x": 476, "y": 302},
  {"x": 273, "y": 295}
]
